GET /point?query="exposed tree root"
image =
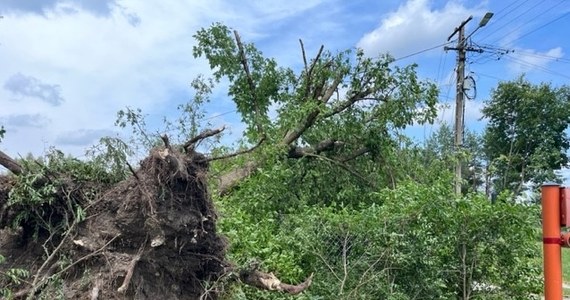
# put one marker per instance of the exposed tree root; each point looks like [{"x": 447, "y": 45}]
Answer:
[{"x": 270, "y": 282}]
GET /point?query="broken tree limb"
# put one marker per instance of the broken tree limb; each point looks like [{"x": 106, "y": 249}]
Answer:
[
  {"x": 346, "y": 168},
  {"x": 240, "y": 152},
  {"x": 250, "y": 83},
  {"x": 10, "y": 164},
  {"x": 325, "y": 145},
  {"x": 229, "y": 180},
  {"x": 359, "y": 152},
  {"x": 309, "y": 73},
  {"x": 166, "y": 141},
  {"x": 203, "y": 135},
  {"x": 304, "y": 55},
  {"x": 270, "y": 282}
]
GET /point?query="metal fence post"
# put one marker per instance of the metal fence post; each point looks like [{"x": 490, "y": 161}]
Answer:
[{"x": 551, "y": 241}]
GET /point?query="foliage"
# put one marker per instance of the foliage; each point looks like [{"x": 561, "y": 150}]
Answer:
[
  {"x": 440, "y": 147},
  {"x": 372, "y": 214},
  {"x": 11, "y": 278},
  {"x": 525, "y": 138},
  {"x": 415, "y": 241},
  {"x": 113, "y": 155},
  {"x": 2, "y": 132},
  {"x": 44, "y": 197},
  {"x": 344, "y": 97},
  {"x": 409, "y": 236},
  {"x": 451, "y": 247}
]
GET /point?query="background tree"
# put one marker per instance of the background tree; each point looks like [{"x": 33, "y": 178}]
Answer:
[
  {"x": 439, "y": 148},
  {"x": 525, "y": 137}
]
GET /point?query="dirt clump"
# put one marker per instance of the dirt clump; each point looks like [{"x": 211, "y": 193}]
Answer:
[{"x": 150, "y": 236}]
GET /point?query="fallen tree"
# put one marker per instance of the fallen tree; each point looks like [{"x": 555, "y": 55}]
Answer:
[{"x": 150, "y": 236}]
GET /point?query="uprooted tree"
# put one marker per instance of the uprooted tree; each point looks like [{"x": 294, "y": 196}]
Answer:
[{"x": 151, "y": 234}]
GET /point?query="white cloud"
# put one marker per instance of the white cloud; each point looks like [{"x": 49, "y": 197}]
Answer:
[
  {"x": 28, "y": 86},
  {"x": 25, "y": 120},
  {"x": 415, "y": 26},
  {"x": 527, "y": 60},
  {"x": 82, "y": 137},
  {"x": 103, "y": 56},
  {"x": 97, "y": 64}
]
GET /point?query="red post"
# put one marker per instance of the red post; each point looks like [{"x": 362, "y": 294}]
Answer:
[{"x": 551, "y": 241}]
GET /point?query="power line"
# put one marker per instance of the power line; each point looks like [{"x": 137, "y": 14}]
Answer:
[
  {"x": 503, "y": 16},
  {"x": 524, "y": 24},
  {"x": 514, "y": 19},
  {"x": 489, "y": 76},
  {"x": 507, "y": 7},
  {"x": 538, "y": 28},
  {"x": 422, "y": 51},
  {"x": 535, "y": 66},
  {"x": 541, "y": 55},
  {"x": 221, "y": 114}
]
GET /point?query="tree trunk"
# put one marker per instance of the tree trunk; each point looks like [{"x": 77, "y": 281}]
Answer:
[{"x": 10, "y": 164}]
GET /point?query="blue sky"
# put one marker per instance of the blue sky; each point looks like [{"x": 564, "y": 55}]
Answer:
[{"x": 67, "y": 67}]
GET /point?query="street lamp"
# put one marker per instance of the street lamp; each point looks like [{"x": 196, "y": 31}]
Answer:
[
  {"x": 485, "y": 19},
  {"x": 482, "y": 23}
]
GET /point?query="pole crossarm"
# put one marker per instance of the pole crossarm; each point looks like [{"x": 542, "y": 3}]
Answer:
[
  {"x": 470, "y": 49},
  {"x": 460, "y": 27}
]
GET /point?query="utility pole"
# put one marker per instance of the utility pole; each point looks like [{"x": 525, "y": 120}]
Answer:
[
  {"x": 459, "y": 99},
  {"x": 462, "y": 49}
]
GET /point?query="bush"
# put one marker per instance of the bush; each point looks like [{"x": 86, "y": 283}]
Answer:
[{"x": 416, "y": 241}]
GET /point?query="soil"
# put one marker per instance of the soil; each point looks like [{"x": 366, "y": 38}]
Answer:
[{"x": 150, "y": 236}]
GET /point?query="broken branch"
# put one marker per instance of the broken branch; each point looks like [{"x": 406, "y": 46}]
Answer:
[
  {"x": 355, "y": 154},
  {"x": 133, "y": 171},
  {"x": 10, "y": 164},
  {"x": 345, "y": 167},
  {"x": 203, "y": 135},
  {"x": 304, "y": 55},
  {"x": 325, "y": 145},
  {"x": 250, "y": 82},
  {"x": 240, "y": 152}
]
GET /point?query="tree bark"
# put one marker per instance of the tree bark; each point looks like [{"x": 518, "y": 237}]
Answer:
[
  {"x": 270, "y": 282},
  {"x": 10, "y": 164}
]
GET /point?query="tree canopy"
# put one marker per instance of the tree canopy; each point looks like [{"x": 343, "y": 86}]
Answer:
[
  {"x": 525, "y": 138},
  {"x": 338, "y": 107}
]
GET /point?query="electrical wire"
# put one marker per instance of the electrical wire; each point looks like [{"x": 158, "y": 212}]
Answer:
[
  {"x": 439, "y": 68},
  {"x": 540, "y": 27},
  {"x": 524, "y": 24},
  {"x": 423, "y": 51},
  {"x": 513, "y": 19},
  {"x": 490, "y": 76},
  {"x": 535, "y": 66},
  {"x": 502, "y": 17},
  {"x": 449, "y": 85},
  {"x": 221, "y": 114},
  {"x": 541, "y": 55},
  {"x": 507, "y": 7}
]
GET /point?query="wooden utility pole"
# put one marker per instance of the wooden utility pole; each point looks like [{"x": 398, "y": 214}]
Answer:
[
  {"x": 459, "y": 99},
  {"x": 462, "y": 49}
]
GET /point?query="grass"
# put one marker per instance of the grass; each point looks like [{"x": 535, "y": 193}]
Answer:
[
  {"x": 566, "y": 269},
  {"x": 566, "y": 265}
]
